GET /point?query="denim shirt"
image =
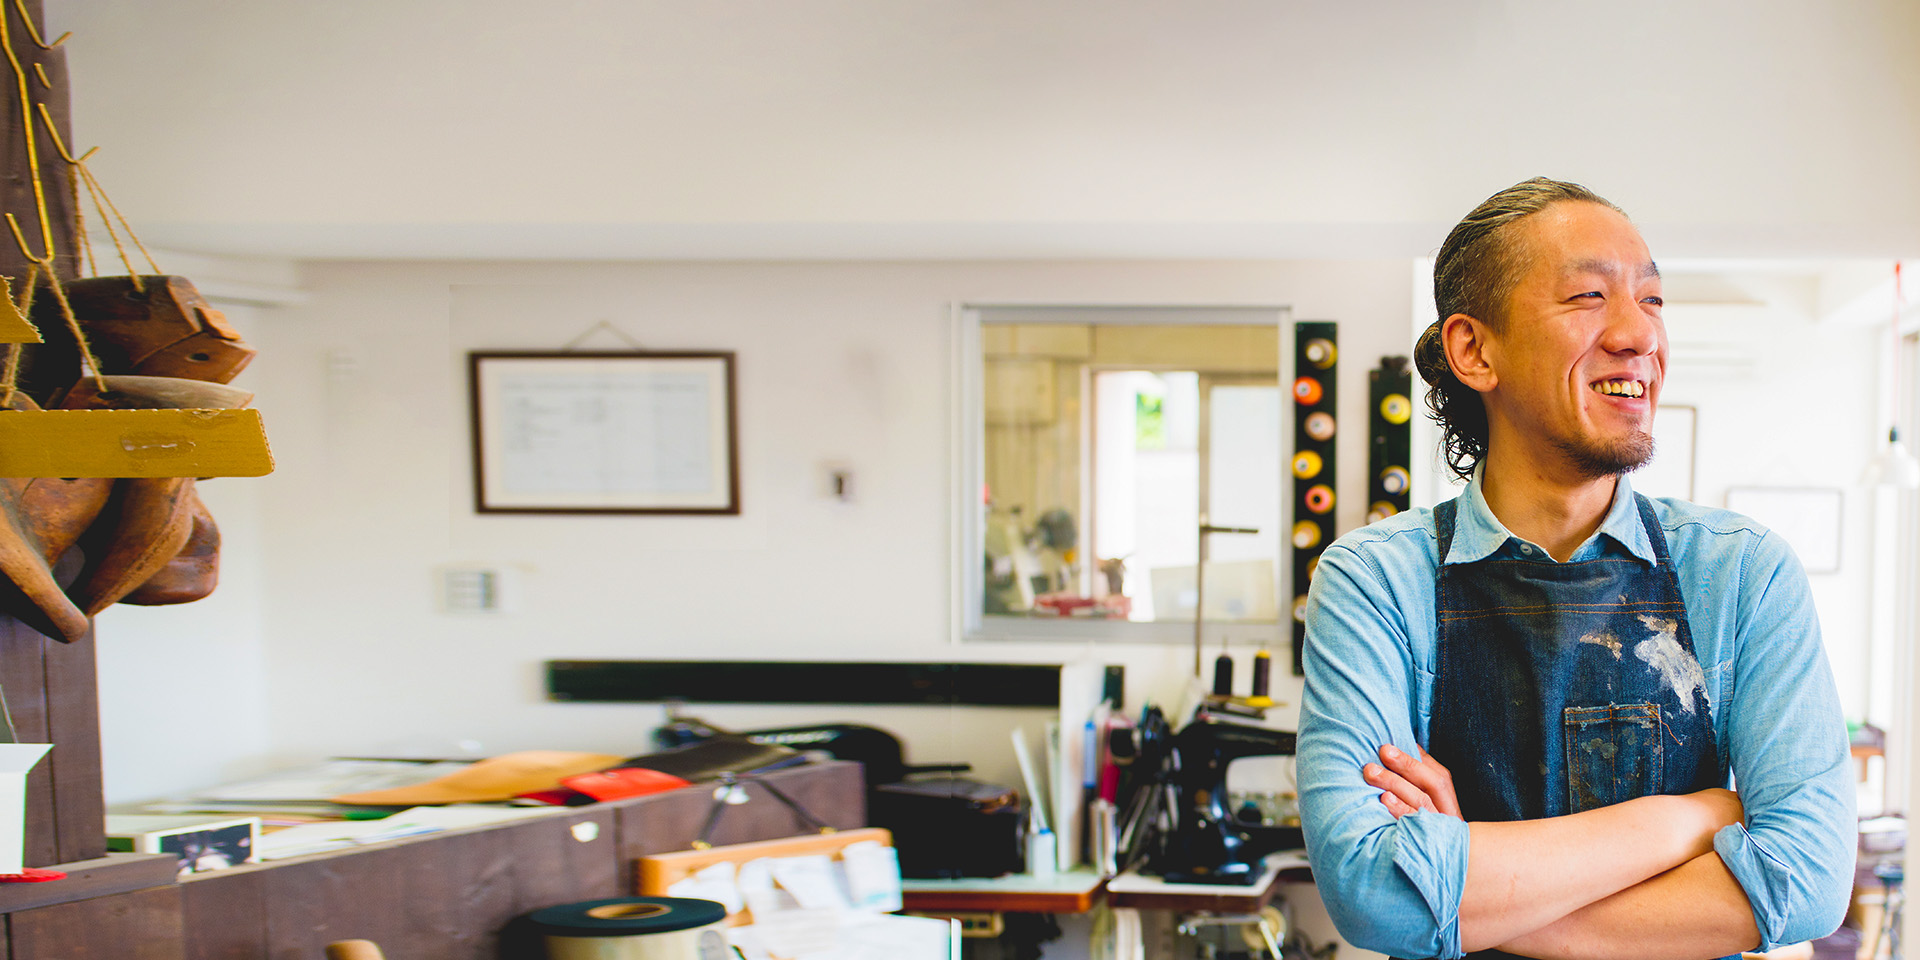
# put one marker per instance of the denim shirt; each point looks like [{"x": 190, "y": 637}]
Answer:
[{"x": 1394, "y": 885}]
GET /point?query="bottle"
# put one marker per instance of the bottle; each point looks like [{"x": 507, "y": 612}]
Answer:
[{"x": 1042, "y": 853}]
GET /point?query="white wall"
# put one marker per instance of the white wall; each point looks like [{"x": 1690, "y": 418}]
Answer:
[
  {"x": 1797, "y": 411},
  {"x": 875, "y": 129},
  {"x": 364, "y": 394},
  {"x": 183, "y": 699}
]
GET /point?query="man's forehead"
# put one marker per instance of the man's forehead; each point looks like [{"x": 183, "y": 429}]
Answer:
[
  {"x": 1645, "y": 269},
  {"x": 1577, "y": 238}
]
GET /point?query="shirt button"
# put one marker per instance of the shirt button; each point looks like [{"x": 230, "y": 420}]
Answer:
[{"x": 1526, "y": 549}]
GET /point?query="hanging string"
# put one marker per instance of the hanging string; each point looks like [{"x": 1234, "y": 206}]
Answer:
[
  {"x": 78, "y": 175},
  {"x": 102, "y": 203},
  {"x": 34, "y": 32},
  {"x": 80, "y": 241},
  {"x": 596, "y": 328},
  {"x": 100, "y": 196},
  {"x": 45, "y": 259}
]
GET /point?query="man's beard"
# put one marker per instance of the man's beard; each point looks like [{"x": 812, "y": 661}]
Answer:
[{"x": 1598, "y": 459}]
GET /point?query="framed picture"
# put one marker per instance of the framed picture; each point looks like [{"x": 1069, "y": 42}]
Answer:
[
  {"x": 1808, "y": 518},
  {"x": 1670, "y": 472},
  {"x": 627, "y": 432}
]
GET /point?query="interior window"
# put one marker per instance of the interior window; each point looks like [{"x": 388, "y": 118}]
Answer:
[{"x": 1103, "y": 448}]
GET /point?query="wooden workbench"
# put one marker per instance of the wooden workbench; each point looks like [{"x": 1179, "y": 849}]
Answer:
[{"x": 448, "y": 895}]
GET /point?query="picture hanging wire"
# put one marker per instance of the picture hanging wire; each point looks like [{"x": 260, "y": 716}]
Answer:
[{"x": 608, "y": 326}]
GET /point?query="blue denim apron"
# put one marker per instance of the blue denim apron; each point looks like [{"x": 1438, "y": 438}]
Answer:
[{"x": 1562, "y": 687}]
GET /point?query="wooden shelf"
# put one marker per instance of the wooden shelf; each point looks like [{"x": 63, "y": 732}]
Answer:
[
  {"x": 111, "y": 874},
  {"x": 1071, "y": 892}
]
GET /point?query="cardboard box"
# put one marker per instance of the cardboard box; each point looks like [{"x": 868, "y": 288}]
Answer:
[{"x": 199, "y": 843}]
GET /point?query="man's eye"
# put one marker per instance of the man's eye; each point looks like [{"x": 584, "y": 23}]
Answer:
[
  {"x": 1656, "y": 301},
  {"x": 1590, "y": 293}
]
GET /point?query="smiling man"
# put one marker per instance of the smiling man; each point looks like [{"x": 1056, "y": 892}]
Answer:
[{"x": 1524, "y": 708}]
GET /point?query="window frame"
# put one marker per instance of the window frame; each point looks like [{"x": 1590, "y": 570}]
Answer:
[{"x": 967, "y": 434}]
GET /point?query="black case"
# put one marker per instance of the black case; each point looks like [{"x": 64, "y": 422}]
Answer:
[{"x": 950, "y": 827}]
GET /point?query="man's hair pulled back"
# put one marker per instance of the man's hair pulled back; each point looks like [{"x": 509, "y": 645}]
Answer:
[{"x": 1477, "y": 268}]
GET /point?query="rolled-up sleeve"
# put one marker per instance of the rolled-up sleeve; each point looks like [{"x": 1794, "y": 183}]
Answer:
[
  {"x": 1390, "y": 885},
  {"x": 1787, "y": 746}
]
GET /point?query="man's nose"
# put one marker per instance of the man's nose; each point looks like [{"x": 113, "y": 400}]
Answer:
[{"x": 1630, "y": 329}]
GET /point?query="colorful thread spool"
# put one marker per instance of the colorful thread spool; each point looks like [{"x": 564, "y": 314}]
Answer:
[
  {"x": 1319, "y": 498},
  {"x": 1394, "y": 480},
  {"x": 1307, "y": 464},
  {"x": 1306, "y": 535},
  {"x": 1396, "y": 408},
  {"x": 1307, "y": 391},
  {"x": 1321, "y": 353},
  {"x": 1381, "y": 510},
  {"x": 1320, "y": 425},
  {"x": 1300, "y": 609}
]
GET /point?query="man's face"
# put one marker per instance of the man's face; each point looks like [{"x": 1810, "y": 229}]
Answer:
[{"x": 1583, "y": 350}]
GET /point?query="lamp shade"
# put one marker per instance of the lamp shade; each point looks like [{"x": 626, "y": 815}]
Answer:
[{"x": 1894, "y": 466}]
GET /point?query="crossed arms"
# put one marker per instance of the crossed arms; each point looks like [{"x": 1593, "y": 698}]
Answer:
[{"x": 1651, "y": 885}]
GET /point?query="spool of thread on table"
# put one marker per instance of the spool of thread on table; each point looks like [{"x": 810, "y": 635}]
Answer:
[
  {"x": 1223, "y": 675},
  {"x": 1262, "y": 673}
]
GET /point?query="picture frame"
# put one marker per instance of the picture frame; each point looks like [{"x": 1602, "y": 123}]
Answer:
[
  {"x": 1808, "y": 518},
  {"x": 604, "y": 432},
  {"x": 1670, "y": 472}
]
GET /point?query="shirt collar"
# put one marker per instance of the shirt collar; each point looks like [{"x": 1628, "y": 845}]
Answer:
[{"x": 1477, "y": 533}]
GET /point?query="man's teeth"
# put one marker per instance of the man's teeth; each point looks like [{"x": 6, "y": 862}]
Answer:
[{"x": 1621, "y": 388}]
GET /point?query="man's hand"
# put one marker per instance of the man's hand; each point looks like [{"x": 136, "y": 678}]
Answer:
[{"x": 1412, "y": 783}]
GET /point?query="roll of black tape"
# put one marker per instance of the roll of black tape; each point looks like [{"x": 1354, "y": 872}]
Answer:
[{"x": 633, "y": 928}]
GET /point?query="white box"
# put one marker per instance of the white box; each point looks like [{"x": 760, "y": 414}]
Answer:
[{"x": 15, "y": 760}]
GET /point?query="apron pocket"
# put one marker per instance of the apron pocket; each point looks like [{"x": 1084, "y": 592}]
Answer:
[{"x": 1613, "y": 754}]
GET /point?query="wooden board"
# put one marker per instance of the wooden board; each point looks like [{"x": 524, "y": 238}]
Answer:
[
  {"x": 658, "y": 873},
  {"x": 143, "y": 925},
  {"x": 134, "y": 443},
  {"x": 14, "y": 326}
]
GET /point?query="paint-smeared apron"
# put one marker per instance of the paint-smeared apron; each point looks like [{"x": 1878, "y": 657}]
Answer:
[{"x": 1562, "y": 687}]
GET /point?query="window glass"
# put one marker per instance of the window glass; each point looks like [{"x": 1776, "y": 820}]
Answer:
[{"x": 1105, "y": 446}]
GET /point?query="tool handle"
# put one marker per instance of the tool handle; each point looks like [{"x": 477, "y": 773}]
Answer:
[{"x": 354, "y": 950}]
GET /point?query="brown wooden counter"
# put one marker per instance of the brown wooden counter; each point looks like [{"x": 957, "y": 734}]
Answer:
[{"x": 445, "y": 896}]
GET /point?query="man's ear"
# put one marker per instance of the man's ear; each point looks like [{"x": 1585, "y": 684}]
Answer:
[{"x": 1469, "y": 352}]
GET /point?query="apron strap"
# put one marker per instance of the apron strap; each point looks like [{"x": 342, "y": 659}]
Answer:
[
  {"x": 1652, "y": 525},
  {"x": 1443, "y": 517}
]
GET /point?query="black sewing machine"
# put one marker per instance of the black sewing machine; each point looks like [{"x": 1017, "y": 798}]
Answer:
[{"x": 1198, "y": 839}]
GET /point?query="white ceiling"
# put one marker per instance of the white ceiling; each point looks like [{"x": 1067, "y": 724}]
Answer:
[{"x": 988, "y": 128}]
